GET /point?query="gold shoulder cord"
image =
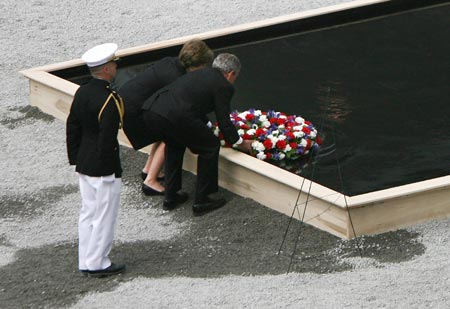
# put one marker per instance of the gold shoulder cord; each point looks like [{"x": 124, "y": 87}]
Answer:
[{"x": 119, "y": 104}]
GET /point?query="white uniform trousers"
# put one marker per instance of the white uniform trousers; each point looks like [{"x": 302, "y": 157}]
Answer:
[{"x": 100, "y": 205}]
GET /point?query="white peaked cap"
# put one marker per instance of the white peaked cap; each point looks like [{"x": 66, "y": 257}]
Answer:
[{"x": 100, "y": 54}]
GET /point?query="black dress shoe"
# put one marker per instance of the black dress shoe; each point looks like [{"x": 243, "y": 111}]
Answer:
[
  {"x": 150, "y": 191},
  {"x": 206, "y": 205},
  {"x": 84, "y": 272},
  {"x": 171, "y": 202},
  {"x": 113, "y": 269}
]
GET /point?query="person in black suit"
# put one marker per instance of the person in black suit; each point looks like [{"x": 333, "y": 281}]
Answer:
[
  {"x": 91, "y": 135},
  {"x": 177, "y": 114},
  {"x": 193, "y": 55}
]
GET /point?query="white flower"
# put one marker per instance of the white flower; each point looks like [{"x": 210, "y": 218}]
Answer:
[
  {"x": 263, "y": 118},
  {"x": 216, "y": 131},
  {"x": 257, "y": 112},
  {"x": 298, "y": 134},
  {"x": 241, "y": 132},
  {"x": 281, "y": 137},
  {"x": 313, "y": 134},
  {"x": 282, "y": 155},
  {"x": 303, "y": 142},
  {"x": 261, "y": 155},
  {"x": 288, "y": 148},
  {"x": 266, "y": 123},
  {"x": 243, "y": 114},
  {"x": 297, "y": 128},
  {"x": 251, "y": 132},
  {"x": 299, "y": 120},
  {"x": 222, "y": 142},
  {"x": 258, "y": 146},
  {"x": 281, "y": 127}
]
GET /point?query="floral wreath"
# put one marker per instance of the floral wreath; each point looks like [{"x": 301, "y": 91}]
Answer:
[{"x": 277, "y": 137}]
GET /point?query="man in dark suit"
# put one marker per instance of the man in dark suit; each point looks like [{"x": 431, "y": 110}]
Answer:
[
  {"x": 193, "y": 55},
  {"x": 92, "y": 126},
  {"x": 177, "y": 114}
]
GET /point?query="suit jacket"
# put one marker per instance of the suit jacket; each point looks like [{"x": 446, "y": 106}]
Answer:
[
  {"x": 92, "y": 142},
  {"x": 191, "y": 97},
  {"x": 137, "y": 90}
]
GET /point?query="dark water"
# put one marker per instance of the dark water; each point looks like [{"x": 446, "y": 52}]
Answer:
[{"x": 378, "y": 91}]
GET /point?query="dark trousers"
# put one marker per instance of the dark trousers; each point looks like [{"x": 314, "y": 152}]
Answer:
[{"x": 196, "y": 136}]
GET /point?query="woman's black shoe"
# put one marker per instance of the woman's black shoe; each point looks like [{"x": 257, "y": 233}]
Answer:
[
  {"x": 150, "y": 191},
  {"x": 144, "y": 175}
]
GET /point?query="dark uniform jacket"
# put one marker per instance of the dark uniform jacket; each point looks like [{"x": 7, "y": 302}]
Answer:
[
  {"x": 186, "y": 102},
  {"x": 137, "y": 90},
  {"x": 92, "y": 142}
]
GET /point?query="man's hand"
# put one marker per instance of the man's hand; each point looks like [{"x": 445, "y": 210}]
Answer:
[{"x": 245, "y": 146}]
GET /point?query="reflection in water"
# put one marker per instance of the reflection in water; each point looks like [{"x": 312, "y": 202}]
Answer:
[{"x": 333, "y": 103}]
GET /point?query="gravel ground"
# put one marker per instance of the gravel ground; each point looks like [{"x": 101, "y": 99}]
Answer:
[{"x": 228, "y": 258}]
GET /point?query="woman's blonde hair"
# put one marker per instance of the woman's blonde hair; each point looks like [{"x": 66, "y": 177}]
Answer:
[{"x": 195, "y": 53}]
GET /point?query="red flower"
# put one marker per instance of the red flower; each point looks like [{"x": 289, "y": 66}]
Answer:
[
  {"x": 308, "y": 122},
  {"x": 246, "y": 136},
  {"x": 308, "y": 143},
  {"x": 290, "y": 135},
  {"x": 268, "y": 144},
  {"x": 260, "y": 131},
  {"x": 281, "y": 144},
  {"x": 273, "y": 120},
  {"x": 319, "y": 140},
  {"x": 250, "y": 117},
  {"x": 306, "y": 130},
  {"x": 245, "y": 127},
  {"x": 281, "y": 121},
  {"x": 293, "y": 145}
]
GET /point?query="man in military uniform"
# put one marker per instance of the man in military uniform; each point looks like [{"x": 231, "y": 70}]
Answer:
[{"x": 95, "y": 117}]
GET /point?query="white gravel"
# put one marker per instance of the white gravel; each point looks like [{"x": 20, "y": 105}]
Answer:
[{"x": 33, "y": 158}]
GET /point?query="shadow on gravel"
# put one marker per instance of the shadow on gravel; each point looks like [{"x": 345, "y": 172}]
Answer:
[
  {"x": 28, "y": 113},
  {"x": 24, "y": 206},
  {"x": 242, "y": 238}
]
